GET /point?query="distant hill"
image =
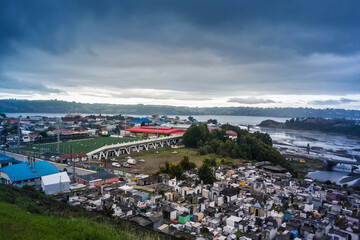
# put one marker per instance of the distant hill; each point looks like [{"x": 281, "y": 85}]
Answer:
[
  {"x": 55, "y": 106},
  {"x": 340, "y": 126}
]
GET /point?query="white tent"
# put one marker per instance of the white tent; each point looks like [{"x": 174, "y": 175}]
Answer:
[{"x": 55, "y": 183}]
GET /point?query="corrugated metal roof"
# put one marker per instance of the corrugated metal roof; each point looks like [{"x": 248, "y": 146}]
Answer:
[
  {"x": 23, "y": 171},
  {"x": 98, "y": 175},
  {"x": 4, "y": 159}
]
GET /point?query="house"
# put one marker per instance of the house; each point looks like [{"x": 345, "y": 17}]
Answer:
[
  {"x": 26, "y": 139},
  {"x": 55, "y": 183},
  {"x": 50, "y": 155},
  {"x": 29, "y": 173},
  {"x": 231, "y": 134},
  {"x": 96, "y": 179},
  {"x": 75, "y": 157},
  {"x": 12, "y": 138}
]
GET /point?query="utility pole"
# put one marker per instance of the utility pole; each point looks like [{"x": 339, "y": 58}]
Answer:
[
  {"x": 125, "y": 123},
  {"x": 73, "y": 163},
  {"x": 18, "y": 132},
  {"x": 58, "y": 135}
]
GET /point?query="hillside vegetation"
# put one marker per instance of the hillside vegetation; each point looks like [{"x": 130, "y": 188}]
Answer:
[
  {"x": 55, "y": 106},
  {"x": 339, "y": 126},
  {"x": 249, "y": 146},
  {"x": 28, "y": 214}
]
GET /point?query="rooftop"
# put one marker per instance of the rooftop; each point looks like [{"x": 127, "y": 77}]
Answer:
[
  {"x": 98, "y": 175},
  {"x": 23, "y": 171},
  {"x": 55, "y": 178},
  {"x": 74, "y": 155},
  {"x": 156, "y": 130},
  {"x": 5, "y": 159}
]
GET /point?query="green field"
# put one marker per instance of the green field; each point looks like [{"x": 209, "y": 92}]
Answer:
[{"x": 85, "y": 145}]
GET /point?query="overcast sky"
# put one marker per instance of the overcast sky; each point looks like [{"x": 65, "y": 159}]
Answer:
[{"x": 184, "y": 53}]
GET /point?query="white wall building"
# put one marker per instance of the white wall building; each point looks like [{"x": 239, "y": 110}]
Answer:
[{"x": 55, "y": 183}]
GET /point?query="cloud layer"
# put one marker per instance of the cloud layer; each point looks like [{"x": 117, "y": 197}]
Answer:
[
  {"x": 334, "y": 101},
  {"x": 186, "y": 53},
  {"x": 251, "y": 100}
]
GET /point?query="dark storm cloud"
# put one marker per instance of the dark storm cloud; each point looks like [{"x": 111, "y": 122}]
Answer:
[
  {"x": 303, "y": 27},
  {"x": 8, "y": 83},
  {"x": 226, "y": 45},
  {"x": 334, "y": 101}
]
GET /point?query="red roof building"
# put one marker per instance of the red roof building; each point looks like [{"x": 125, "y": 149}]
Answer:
[
  {"x": 152, "y": 130},
  {"x": 76, "y": 157},
  {"x": 231, "y": 133}
]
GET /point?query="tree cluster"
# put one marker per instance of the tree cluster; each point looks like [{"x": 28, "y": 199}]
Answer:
[
  {"x": 250, "y": 146},
  {"x": 341, "y": 126},
  {"x": 206, "y": 172},
  {"x": 177, "y": 170}
]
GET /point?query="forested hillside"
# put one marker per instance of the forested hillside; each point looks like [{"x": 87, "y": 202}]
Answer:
[
  {"x": 340, "y": 126},
  {"x": 55, "y": 106}
]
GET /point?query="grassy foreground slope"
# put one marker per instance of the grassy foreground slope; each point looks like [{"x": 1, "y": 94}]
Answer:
[
  {"x": 18, "y": 223},
  {"x": 27, "y": 214}
]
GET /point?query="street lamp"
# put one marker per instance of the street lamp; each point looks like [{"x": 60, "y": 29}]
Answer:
[{"x": 18, "y": 132}]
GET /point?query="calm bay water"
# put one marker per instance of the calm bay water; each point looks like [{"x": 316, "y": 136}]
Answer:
[{"x": 234, "y": 120}]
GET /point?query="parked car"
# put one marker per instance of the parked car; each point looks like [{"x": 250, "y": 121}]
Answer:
[
  {"x": 116, "y": 165},
  {"x": 126, "y": 165}
]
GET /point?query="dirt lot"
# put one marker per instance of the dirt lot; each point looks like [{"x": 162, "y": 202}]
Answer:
[{"x": 153, "y": 160}]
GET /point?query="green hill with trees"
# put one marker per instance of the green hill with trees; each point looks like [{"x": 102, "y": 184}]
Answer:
[
  {"x": 339, "y": 126},
  {"x": 55, "y": 106},
  {"x": 250, "y": 146}
]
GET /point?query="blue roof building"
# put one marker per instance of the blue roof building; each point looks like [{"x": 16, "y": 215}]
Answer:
[
  {"x": 6, "y": 161},
  {"x": 26, "y": 173},
  {"x": 144, "y": 120}
]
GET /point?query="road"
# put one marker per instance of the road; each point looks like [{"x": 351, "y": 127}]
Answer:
[{"x": 60, "y": 166}]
